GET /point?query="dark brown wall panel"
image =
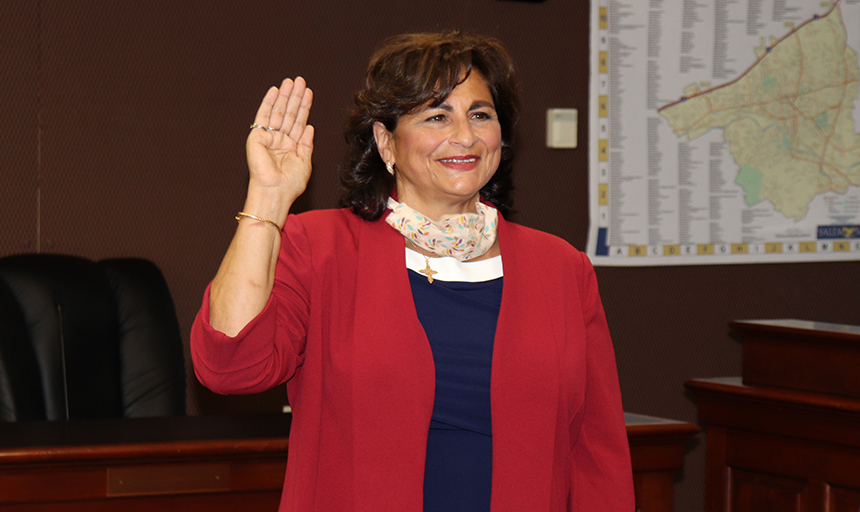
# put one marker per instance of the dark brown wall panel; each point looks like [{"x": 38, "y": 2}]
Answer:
[
  {"x": 19, "y": 119},
  {"x": 129, "y": 120}
]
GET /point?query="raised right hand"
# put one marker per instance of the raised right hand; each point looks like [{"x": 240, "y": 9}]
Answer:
[
  {"x": 279, "y": 157},
  {"x": 279, "y": 160}
]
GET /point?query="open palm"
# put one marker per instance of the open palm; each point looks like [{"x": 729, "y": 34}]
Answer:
[{"x": 280, "y": 145}]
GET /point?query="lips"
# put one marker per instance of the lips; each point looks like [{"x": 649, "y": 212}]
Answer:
[{"x": 466, "y": 162}]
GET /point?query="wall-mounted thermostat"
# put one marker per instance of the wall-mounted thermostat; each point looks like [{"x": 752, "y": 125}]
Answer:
[{"x": 561, "y": 127}]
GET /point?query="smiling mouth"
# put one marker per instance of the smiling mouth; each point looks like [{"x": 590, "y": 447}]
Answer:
[{"x": 459, "y": 160}]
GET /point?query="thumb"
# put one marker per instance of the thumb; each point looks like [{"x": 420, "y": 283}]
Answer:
[{"x": 305, "y": 147}]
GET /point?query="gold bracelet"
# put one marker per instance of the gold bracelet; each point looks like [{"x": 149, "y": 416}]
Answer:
[{"x": 261, "y": 219}]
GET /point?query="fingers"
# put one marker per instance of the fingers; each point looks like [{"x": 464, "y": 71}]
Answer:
[
  {"x": 266, "y": 106},
  {"x": 297, "y": 108},
  {"x": 287, "y": 108},
  {"x": 279, "y": 108},
  {"x": 300, "y": 116}
]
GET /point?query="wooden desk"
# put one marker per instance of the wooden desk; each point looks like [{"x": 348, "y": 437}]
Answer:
[
  {"x": 185, "y": 463},
  {"x": 786, "y": 436},
  {"x": 657, "y": 448},
  {"x": 802, "y": 355},
  {"x": 778, "y": 450},
  {"x": 220, "y": 463}
]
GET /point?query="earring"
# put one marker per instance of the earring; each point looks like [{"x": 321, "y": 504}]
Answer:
[{"x": 390, "y": 168}]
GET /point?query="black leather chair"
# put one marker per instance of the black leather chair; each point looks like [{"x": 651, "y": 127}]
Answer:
[{"x": 85, "y": 339}]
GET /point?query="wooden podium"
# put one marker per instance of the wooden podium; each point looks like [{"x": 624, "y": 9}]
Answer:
[{"x": 786, "y": 435}]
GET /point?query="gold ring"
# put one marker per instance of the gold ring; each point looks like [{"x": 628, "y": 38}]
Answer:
[{"x": 255, "y": 125}]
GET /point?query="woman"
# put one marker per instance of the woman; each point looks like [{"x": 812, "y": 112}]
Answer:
[{"x": 422, "y": 374}]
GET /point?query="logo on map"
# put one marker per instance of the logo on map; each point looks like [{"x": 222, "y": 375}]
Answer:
[{"x": 830, "y": 232}]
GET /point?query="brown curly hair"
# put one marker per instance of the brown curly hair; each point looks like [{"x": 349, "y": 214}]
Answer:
[{"x": 405, "y": 73}]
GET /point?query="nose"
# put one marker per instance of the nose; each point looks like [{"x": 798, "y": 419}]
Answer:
[{"x": 463, "y": 133}]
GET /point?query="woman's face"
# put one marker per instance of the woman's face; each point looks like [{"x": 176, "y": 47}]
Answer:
[{"x": 444, "y": 155}]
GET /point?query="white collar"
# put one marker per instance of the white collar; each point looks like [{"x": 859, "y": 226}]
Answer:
[{"x": 452, "y": 269}]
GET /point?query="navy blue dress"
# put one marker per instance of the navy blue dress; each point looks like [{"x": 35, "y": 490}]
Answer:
[{"x": 460, "y": 321}]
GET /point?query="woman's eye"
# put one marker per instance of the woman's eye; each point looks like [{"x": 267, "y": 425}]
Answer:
[
  {"x": 437, "y": 117},
  {"x": 482, "y": 116}
]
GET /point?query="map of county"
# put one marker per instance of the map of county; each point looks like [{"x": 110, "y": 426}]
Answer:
[{"x": 788, "y": 119}]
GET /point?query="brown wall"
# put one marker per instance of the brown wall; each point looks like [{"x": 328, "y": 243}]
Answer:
[{"x": 123, "y": 127}]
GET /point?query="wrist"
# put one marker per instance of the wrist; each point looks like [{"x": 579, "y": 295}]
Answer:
[
  {"x": 268, "y": 204},
  {"x": 257, "y": 218}
]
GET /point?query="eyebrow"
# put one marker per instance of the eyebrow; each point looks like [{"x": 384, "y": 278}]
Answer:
[{"x": 474, "y": 106}]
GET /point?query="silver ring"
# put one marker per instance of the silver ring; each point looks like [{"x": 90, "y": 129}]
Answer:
[
  {"x": 271, "y": 129},
  {"x": 255, "y": 125}
]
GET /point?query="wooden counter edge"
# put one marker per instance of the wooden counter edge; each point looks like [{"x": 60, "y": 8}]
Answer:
[
  {"x": 733, "y": 386},
  {"x": 234, "y": 447},
  {"x": 795, "y": 327}
]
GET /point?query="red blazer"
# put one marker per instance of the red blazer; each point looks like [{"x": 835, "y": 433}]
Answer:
[{"x": 341, "y": 330}]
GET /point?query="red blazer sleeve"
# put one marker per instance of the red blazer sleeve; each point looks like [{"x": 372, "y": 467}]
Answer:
[
  {"x": 601, "y": 471},
  {"x": 269, "y": 349}
]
